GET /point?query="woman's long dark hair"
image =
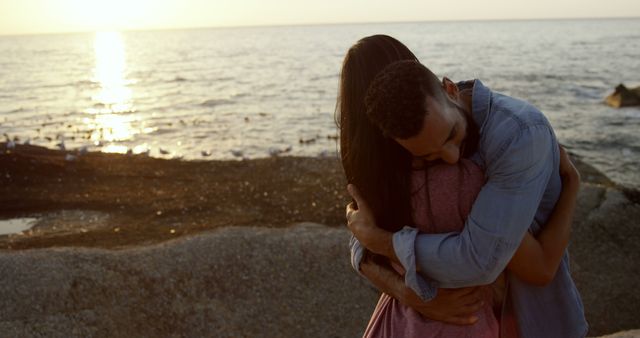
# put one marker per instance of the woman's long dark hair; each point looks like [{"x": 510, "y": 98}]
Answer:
[{"x": 378, "y": 166}]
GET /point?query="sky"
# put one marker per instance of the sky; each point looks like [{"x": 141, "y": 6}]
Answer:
[{"x": 56, "y": 16}]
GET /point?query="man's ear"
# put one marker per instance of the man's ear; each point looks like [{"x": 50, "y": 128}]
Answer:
[{"x": 450, "y": 88}]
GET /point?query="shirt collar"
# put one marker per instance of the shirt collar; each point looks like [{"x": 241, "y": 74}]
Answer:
[{"x": 480, "y": 104}]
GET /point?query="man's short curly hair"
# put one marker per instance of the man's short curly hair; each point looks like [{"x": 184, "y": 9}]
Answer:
[{"x": 396, "y": 98}]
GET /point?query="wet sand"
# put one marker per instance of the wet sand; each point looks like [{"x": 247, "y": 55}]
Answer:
[{"x": 112, "y": 200}]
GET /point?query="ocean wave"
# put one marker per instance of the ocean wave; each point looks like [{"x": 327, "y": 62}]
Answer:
[
  {"x": 178, "y": 78},
  {"x": 223, "y": 78},
  {"x": 85, "y": 83},
  {"x": 17, "y": 110},
  {"x": 324, "y": 77},
  {"x": 584, "y": 92},
  {"x": 216, "y": 102},
  {"x": 240, "y": 95},
  {"x": 162, "y": 131}
]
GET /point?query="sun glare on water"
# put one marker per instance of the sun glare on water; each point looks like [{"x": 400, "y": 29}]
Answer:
[
  {"x": 112, "y": 117},
  {"x": 110, "y": 72}
]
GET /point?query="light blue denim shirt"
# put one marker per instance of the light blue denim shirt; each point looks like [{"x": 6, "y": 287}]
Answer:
[{"x": 519, "y": 152}]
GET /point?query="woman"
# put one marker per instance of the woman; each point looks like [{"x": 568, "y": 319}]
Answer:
[{"x": 397, "y": 194}]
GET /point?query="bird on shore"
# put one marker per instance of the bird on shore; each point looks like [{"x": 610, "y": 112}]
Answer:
[
  {"x": 83, "y": 150},
  {"x": 10, "y": 143},
  {"x": 237, "y": 153},
  {"x": 164, "y": 152},
  {"x": 323, "y": 154},
  {"x": 206, "y": 153},
  {"x": 307, "y": 141},
  {"x": 276, "y": 151},
  {"x": 61, "y": 145}
]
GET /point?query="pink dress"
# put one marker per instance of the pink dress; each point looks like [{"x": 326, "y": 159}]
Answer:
[{"x": 452, "y": 189}]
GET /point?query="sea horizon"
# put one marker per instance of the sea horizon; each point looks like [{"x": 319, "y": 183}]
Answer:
[{"x": 314, "y": 24}]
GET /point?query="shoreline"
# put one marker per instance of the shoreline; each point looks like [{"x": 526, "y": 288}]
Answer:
[
  {"x": 135, "y": 199},
  {"x": 114, "y": 200}
]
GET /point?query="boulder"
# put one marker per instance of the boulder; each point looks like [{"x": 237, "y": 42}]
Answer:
[
  {"x": 624, "y": 334},
  {"x": 233, "y": 282},
  {"x": 624, "y": 97}
]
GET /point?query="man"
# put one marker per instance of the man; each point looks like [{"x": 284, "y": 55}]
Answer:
[{"x": 514, "y": 143}]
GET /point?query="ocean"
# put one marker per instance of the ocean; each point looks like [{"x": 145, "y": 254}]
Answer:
[{"x": 233, "y": 93}]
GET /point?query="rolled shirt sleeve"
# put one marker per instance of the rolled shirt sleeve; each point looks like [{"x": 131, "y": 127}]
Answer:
[
  {"x": 518, "y": 172},
  {"x": 357, "y": 253},
  {"x": 403, "y": 245}
]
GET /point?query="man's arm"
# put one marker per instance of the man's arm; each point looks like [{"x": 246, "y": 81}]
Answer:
[
  {"x": 518, "y": 172},
  {"x": 501, "y": 215},
  {"x": 453, "y": 306},
  {"x": 537, "y": 258}
]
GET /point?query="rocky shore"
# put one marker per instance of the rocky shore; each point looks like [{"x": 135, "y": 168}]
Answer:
[
  {"x": 118, "y": 200},
  {"x": 136, "y": 246}
]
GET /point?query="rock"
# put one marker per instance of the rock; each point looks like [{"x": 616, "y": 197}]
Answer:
[
  {"x": 605, "y": 258},
  {"x": 285, "y": 282},
  {"x": 624, "y": 97},
  {"x": 624, "y": 334},
  {"x": 247, "y": 281},
  {"x": 234, "y": 282}
]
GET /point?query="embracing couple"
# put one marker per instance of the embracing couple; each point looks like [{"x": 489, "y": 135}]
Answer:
[{"x": 463, "y": 203}]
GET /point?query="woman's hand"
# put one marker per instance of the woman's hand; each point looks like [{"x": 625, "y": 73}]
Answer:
[
  {"x": 362, "y": 224},
  {"x": 567, "y": 169},
  {"x": 569, "y": 174}
]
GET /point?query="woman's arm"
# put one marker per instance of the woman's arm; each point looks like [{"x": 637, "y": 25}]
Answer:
[{"x": 537, "y": 259}]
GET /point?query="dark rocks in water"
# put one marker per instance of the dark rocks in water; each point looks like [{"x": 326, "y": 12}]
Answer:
[{"x": 624, "y": 97}]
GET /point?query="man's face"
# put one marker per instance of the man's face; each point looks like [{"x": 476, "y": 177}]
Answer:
[{"x": 442, "y": 134}]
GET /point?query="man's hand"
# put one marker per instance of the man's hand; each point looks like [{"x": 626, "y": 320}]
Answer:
[
  {"x": 453, "y": 306},
  {"x": 362, "y": 224}
]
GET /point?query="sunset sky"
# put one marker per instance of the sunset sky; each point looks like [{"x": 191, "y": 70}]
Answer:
[{"x": 51, "y": 16}]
